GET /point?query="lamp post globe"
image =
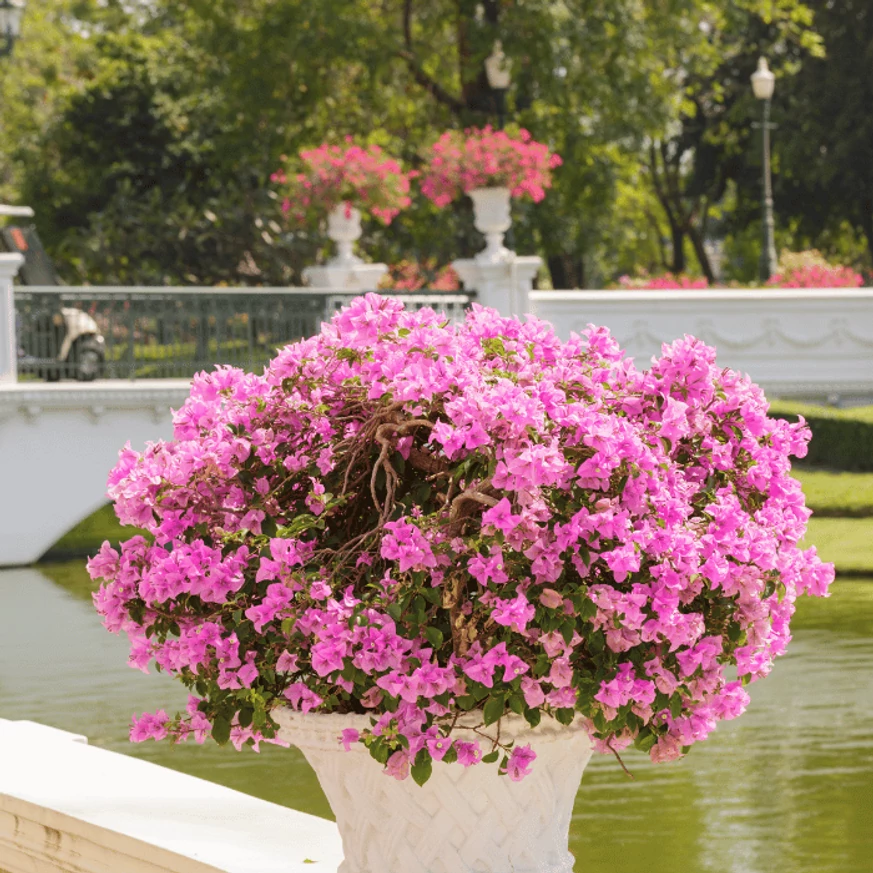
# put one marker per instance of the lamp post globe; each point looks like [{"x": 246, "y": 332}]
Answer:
[
  {"x": 11, "y": 12},
  {"x": 763, "y": 84},
  {"x": 497, "y": 71}
]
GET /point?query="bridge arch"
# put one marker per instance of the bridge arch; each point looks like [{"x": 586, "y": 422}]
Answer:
[{"x": 57, "y": 446}]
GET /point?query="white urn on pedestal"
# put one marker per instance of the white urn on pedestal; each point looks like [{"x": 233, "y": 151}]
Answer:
[
  {"x": 463, "y": 819},
  {"x": 345, "y": 270},
  {"x": 492, "y": 216}
]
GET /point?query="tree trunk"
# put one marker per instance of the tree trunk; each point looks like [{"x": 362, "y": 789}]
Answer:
[
  {"x": 867, "y": 226},
  {"x": 697, "y": 241},
  {"x": 567, "y": 271},
  {"x": 677, "y": 235}
]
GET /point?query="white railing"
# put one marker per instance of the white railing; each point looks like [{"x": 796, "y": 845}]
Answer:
[
  {"x": 164, "y": 332},
  {"x": 65, "y": 805},
  {"x": 814, "y": 343}
]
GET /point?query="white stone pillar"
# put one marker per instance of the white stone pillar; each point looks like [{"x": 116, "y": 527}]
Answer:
[
  {"x": 503, "y": 285},
  {"x": 9, "y": 264}
]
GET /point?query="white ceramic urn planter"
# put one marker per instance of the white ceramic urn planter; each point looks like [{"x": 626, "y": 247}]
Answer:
[
  {"x": 492, "y": 217},
  {"x": 463, "y": 819},
  {"x": 344, "y": 228}
]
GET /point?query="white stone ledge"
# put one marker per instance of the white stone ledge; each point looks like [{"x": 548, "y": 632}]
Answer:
[
  {"x": 703, "y": 295},
  {"x": 109, "y": 393},
  {"x": 67, "y": 806}
]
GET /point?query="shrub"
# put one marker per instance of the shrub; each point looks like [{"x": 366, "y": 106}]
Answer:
[
  {"x": 810, "y": 269},
  {"x": 416, "y": 520},
  {"x": 664, "y": 282},
  {"x": 415, "y": 276}
]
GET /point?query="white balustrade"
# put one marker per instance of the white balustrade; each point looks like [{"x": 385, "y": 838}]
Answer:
[
  {"x": 812, "y": 343},
  {"x": 65, "y": 805}
]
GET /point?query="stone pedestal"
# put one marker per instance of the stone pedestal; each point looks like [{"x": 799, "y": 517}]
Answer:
[
  {"x": 503, "y": 285},
  {"x": 346, "y": 277},
  {"x": 345, "y": 271},
  {"x": 9, "y": 265}
]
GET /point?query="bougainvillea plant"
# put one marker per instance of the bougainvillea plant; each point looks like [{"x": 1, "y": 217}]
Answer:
[
  {"x": 810, "y": 269},
  {"x": 461, "y": 161},
  {"x": 323, "y": 178},
  {"x": 416, "y": 275},
  {"x": 664, "y": 282},
  {"x": 419, "y": 520}
]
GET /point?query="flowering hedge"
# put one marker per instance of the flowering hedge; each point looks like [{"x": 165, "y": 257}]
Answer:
[
  {"x": 817, "y": 276},
  {"x": 664, "y": 282},
  {"x": 364, "y": 178},
  {"x": 415, "y": 276},
  {"x": 463, "y": 161},
  {"x": 416, "y": 520}
]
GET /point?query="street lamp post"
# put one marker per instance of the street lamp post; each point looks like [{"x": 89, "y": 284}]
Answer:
[
  {"x": 763, "y": 82},
  {"x": 497, "y": 70},
  {"x": 11, "y": 12}
]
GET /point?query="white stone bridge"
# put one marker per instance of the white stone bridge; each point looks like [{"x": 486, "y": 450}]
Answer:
[{"x": 58, "y": 441}]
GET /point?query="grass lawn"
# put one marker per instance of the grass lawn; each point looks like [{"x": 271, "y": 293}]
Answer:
[
  {"x": 837, "y": 494},
  {"x": 809, "y": 410},
  {"x": 87, "y": 536},
  {"x": 848, "y": 542}
]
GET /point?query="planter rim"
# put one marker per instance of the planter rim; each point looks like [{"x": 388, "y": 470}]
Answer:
[{"x": 316, "y": 730}]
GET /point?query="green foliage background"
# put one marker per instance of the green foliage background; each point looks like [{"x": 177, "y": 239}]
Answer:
[{"x": 144, "y": 133}]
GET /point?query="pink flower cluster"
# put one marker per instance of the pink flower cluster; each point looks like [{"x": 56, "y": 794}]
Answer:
[
  {"x": 360, "y": 177},
  {"x": 664, "y": 282},
  {"x": 817, "y": 276},
  {"x": 462, "y": 161},
  {"x": 442, "y": 525}
]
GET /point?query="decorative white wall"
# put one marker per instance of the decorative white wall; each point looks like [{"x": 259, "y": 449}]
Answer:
[{"x": 808, "y": 343}]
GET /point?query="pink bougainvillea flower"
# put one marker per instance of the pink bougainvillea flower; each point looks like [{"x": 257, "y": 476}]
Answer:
[{"x": 430, "y": 522}]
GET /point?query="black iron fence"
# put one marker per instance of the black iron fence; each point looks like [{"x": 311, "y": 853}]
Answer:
[{"x": 141, "y": 333}]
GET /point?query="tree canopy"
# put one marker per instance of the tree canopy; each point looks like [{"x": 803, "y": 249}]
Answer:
[{"x": 144, "y": 134}]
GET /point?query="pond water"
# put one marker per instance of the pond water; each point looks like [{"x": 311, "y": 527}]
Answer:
[{"x": 788, "y": 787}]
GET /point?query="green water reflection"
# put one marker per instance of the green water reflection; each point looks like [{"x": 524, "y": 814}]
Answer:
[{"x": 787, "y": 788}]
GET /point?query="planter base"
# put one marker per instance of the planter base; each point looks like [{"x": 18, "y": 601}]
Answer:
[
  {"x": 463, "y": 820},
  {"x": 346, "y": 277}
]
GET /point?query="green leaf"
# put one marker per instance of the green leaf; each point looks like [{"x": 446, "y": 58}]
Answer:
[
  {"x": 565, "y": 716},
  {"x": 467, "y": 702},
  {"x": 491, "y": 757},
  {"x": 434, "y": 636},
  {"x": 246, "y": 714},
  {"x": 516, "y": 703},
  {"x": 533, "y": 716},
  {"x": 421, "y": 772},
  {"x": 493, "y": 709},
  {"x": 645, "y": 741},
  {"x": 221, "y": 730}
]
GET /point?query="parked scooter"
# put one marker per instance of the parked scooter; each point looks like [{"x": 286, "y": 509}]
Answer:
[{"x": 54, "y": 340}]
